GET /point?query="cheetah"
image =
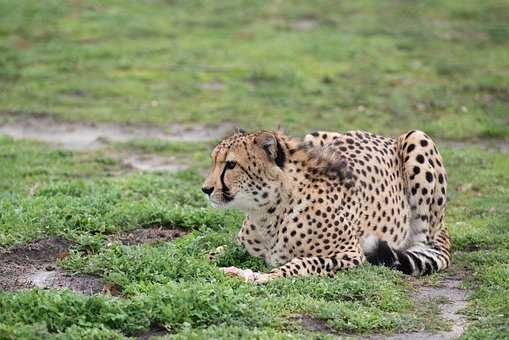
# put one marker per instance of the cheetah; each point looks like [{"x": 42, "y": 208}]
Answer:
[{"x": 334, "y": 200}]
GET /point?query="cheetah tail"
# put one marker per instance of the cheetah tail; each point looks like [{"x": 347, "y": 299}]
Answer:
[{"x": 416, "y": 260}]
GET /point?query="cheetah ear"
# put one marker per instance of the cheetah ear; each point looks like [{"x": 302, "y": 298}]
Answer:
[
  {"x": 239, "y": 131},
  {"x": 272, "y": 147}
]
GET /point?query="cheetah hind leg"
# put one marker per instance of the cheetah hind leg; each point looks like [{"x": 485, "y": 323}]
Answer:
[
  {"x": 426, "y": 180},
  {"x": 428, "y": 249}
]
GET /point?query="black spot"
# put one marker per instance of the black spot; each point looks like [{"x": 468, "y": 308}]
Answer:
[
  {"x": 417, "y": 170},
  {"x": 411, "y": 148},
  {"x": 420, "y": 159},
  {"x": 429, "y": 176},
  {"x": 441, "y": 178},
  {"x": 440, "y": 201},
  {"x": 424, "y": 143}
]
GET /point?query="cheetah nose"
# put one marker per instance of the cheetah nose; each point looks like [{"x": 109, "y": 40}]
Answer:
[{"x": 207, "y": 190}]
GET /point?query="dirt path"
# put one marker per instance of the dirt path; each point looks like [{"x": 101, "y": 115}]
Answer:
[
  {"x": 147, "y": 162},
  {"x": 79, "y": 136},
  {"x": 89, "y": 136},
  {"x": 450, "y": 289}
]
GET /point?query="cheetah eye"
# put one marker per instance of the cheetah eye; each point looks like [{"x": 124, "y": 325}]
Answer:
[{"x": 230, "y": 164}]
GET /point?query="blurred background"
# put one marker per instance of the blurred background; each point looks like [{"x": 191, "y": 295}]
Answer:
[{"x": 385, "y": 66}]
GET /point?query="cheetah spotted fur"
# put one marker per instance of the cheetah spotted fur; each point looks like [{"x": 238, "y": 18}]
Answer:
[{"x": 334, "y": 201}]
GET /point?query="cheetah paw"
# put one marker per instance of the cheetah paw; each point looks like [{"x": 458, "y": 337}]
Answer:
[{"x": 247, "y": 275}]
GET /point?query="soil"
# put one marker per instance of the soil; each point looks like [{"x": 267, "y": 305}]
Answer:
[
  {"x": 313, "y": 324},
  {"x": 304, "y": 24},
  {"x": 33, "y": 265},
  {"x": 151, "y": 163},
  {"x": 147, "y": 236},
  {"x": 156, "y": 331},
  {"x": 88, "y": 136}
]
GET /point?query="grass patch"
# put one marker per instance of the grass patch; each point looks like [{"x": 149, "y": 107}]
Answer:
[{"x": 439, "y": 65}]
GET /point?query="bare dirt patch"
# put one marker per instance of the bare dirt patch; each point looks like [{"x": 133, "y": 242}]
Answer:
[
  {"x": 214, "y": 85},
  {"x": 155, "y": 331},
  {"x": 304, "y": 24},
  {"x": 147, "y": 236},
  {"x": 33, "y": 265},
  {"x": 144, "y": 162},
  {"x": 89, "y": 136},
  {"x": 313, "y": 324}
]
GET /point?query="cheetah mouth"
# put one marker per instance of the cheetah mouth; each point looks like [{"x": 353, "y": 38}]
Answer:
[
  {"x": 220, "y": 203},
  {"x": 216, "y": 204}
]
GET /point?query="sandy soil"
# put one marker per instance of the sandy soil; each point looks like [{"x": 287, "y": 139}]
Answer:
[{"x": 88, "y": 136}]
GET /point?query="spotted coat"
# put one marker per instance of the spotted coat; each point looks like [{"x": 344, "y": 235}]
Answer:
[{"x": 333, "y": 201}]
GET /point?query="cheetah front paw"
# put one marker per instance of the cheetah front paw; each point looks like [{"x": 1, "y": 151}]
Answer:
[{"x": 247, "y": 275}]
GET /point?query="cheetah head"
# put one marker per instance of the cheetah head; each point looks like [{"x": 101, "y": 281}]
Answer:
[{"x": 247, "y": 171}]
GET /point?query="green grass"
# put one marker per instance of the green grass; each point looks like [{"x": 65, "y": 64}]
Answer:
[
  {"x": 383, "y": 66},
  {"x": 440, "y": 66},
  {"x": 172, "y": 285},
  {"x": 51, "y": 201}
]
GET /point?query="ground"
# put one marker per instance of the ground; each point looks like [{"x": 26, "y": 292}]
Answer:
[{"x": 131, "y": 97}]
